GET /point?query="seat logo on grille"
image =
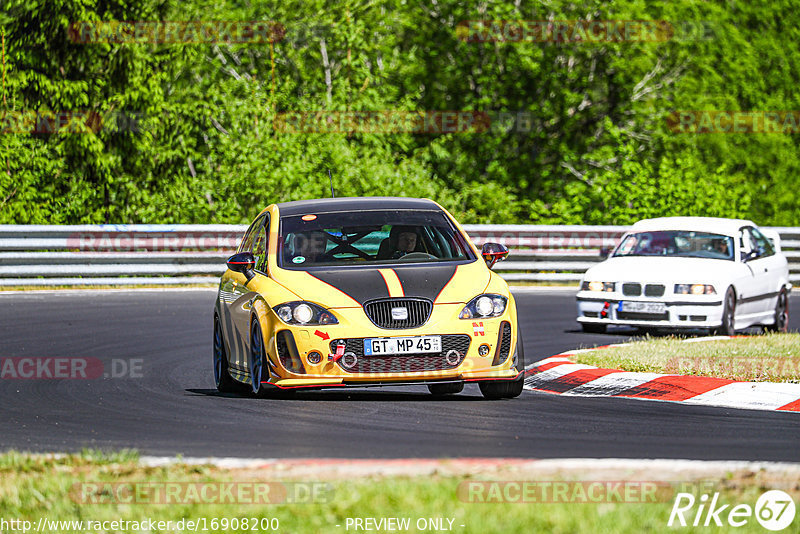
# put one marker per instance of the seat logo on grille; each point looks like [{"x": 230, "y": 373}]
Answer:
[{"x": 400, "y": 314}]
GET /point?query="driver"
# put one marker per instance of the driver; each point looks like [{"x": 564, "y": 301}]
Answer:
[
  {"x": 406, "y": 242},
  {"x": 721, "y": 246},
  {"x": 402, "y": 240}
]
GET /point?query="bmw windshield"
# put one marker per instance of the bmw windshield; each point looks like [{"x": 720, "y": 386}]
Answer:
[
  {"x": 343, "y": 239},
  {"x": 677, "y": 243}
]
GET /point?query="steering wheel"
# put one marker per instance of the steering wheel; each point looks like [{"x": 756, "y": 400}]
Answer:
[{"x": 418, "y": 256}]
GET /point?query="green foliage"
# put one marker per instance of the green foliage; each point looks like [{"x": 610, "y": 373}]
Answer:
[{"x": 584, "y": 138}]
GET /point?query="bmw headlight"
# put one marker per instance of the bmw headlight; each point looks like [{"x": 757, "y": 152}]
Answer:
[
  {"x": 695, "y": 289},
  {"x": 598, "y": 286},
  {"x": 488, "y": 305},
  {"x": 304, "y": 313}
]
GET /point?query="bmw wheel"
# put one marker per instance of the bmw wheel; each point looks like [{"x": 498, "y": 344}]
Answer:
[
  {"x": 222, "y": 377},
  {"x": 726, "y": 327},
  {"x": 781, "y": 323},
  {"x": 593, "y": 328}
]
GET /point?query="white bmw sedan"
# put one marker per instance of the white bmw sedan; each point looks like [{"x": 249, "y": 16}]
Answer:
[{"x": 689, "y": 272}]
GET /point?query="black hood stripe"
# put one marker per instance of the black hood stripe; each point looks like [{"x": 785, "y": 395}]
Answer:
[
  {"x": 425, "y": 282},
  {"x": 359, "y": 284},
  {"x": 363, "y": 285}
]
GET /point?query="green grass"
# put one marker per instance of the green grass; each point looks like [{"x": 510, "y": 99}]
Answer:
[
  {"x": 37, "y": 486},
  {"x": 762, "y": 358}
]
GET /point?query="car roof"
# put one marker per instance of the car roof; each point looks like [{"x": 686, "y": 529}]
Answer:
[
  {"x": 714, "y": 225},
  {"x": 328, "y": 205}
]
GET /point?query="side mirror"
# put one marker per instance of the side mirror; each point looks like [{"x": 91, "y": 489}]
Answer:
[
  {"x": 747, "y": 256},
  {"x": 493, "y": 252},
  {"x": 605, "y": 252},
  {"x": 243, "y": 262}
]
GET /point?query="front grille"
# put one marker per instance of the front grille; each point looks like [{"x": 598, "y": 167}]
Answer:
[
  {"x": 503, "y": 343},
  {"x": 643, "y": 316},
  {"x": 654, "y": 290},
  {"x": 405, "y": 363},
  {"x": 632, "y": 290},
  {"x": 380, "y": 312}
]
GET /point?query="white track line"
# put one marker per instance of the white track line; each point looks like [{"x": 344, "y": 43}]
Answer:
[{"x": 755, "y": 395}]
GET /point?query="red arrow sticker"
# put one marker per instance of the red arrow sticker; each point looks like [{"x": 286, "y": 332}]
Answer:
[{"x": 323, "y": 335}]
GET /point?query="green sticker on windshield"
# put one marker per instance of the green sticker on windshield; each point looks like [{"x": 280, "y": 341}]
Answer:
[{"x": 299, "y": 259}]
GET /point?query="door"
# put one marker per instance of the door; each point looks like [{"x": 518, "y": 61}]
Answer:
[
  {"x": 255, "y": 241},
  {"x": 754, "y": 294}
]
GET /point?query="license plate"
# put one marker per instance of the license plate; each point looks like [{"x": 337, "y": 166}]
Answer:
[
  {"x": 643, "y": 307},
  {"x": 402, "y": 345}
]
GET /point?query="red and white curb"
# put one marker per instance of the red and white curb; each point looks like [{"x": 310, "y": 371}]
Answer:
[{"x": 560, "y": 375}]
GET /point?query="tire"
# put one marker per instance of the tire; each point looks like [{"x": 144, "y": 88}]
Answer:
[
  {"x": 450, "y": 388},
  {"x": 726, "y": 328},
  {"x": 222, "y": 377},
  {"x": 781, "y": 323},
  {"x": 593, "y": 328},
  {"x": 258, "y": 361},
  {"x": 507, "y": 389}
]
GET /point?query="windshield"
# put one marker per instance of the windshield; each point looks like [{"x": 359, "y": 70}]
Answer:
[
  {"x": 367, "y": 238},
  {"x": 677, "y": 243}
]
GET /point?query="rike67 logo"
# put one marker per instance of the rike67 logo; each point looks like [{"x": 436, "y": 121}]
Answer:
[{"x": 774, "y": 510}]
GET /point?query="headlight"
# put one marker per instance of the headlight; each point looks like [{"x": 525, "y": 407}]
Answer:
[
  {"x": 488, "y": 305},
  {"x": 598, "y": 286},
  {"x": 695, "y": 289},
  {"x": 304, "y": 313}
]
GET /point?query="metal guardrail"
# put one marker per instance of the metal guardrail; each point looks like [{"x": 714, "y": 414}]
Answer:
[{"x": 195, "y": 254}]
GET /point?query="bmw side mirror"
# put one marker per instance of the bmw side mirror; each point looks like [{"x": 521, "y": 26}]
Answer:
[
  {"x": 747, "y": 256},
  {"x": 493, "y": 252},
  {"x": 243, "y": 262},
  {"x": 604, "y": 253}
]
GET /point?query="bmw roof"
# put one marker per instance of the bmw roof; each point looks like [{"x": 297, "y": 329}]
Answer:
[
  {"x": 328, "y": 205},
  {"x": 715, "y": 225}
]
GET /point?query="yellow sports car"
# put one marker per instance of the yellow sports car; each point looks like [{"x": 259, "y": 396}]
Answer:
[{"x": 363, "y": 292}]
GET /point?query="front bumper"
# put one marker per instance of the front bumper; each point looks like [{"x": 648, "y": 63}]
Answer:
[
  {"x": 293, "y": 349},
  {"x": 681, "y": 311}
]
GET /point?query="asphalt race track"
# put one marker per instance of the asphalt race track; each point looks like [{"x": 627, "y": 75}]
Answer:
[{"x": 169, "y": 406}]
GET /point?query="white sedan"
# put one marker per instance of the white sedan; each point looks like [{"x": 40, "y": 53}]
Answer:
[{"x": 689, "y": 272}]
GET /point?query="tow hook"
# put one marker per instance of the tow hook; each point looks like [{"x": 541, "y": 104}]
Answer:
[{"x": 339, "y": 352}]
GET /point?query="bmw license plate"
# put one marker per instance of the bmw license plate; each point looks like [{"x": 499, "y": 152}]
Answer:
[
  {"x": 402, "y": 345},
  {"x": 643, "y": 307}
]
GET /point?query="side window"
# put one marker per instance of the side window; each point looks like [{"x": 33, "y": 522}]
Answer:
[
  {"x": 247, "y": 240},
  {"x": 260, "y": 247},
  {"x": 763, "y": 245}
]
